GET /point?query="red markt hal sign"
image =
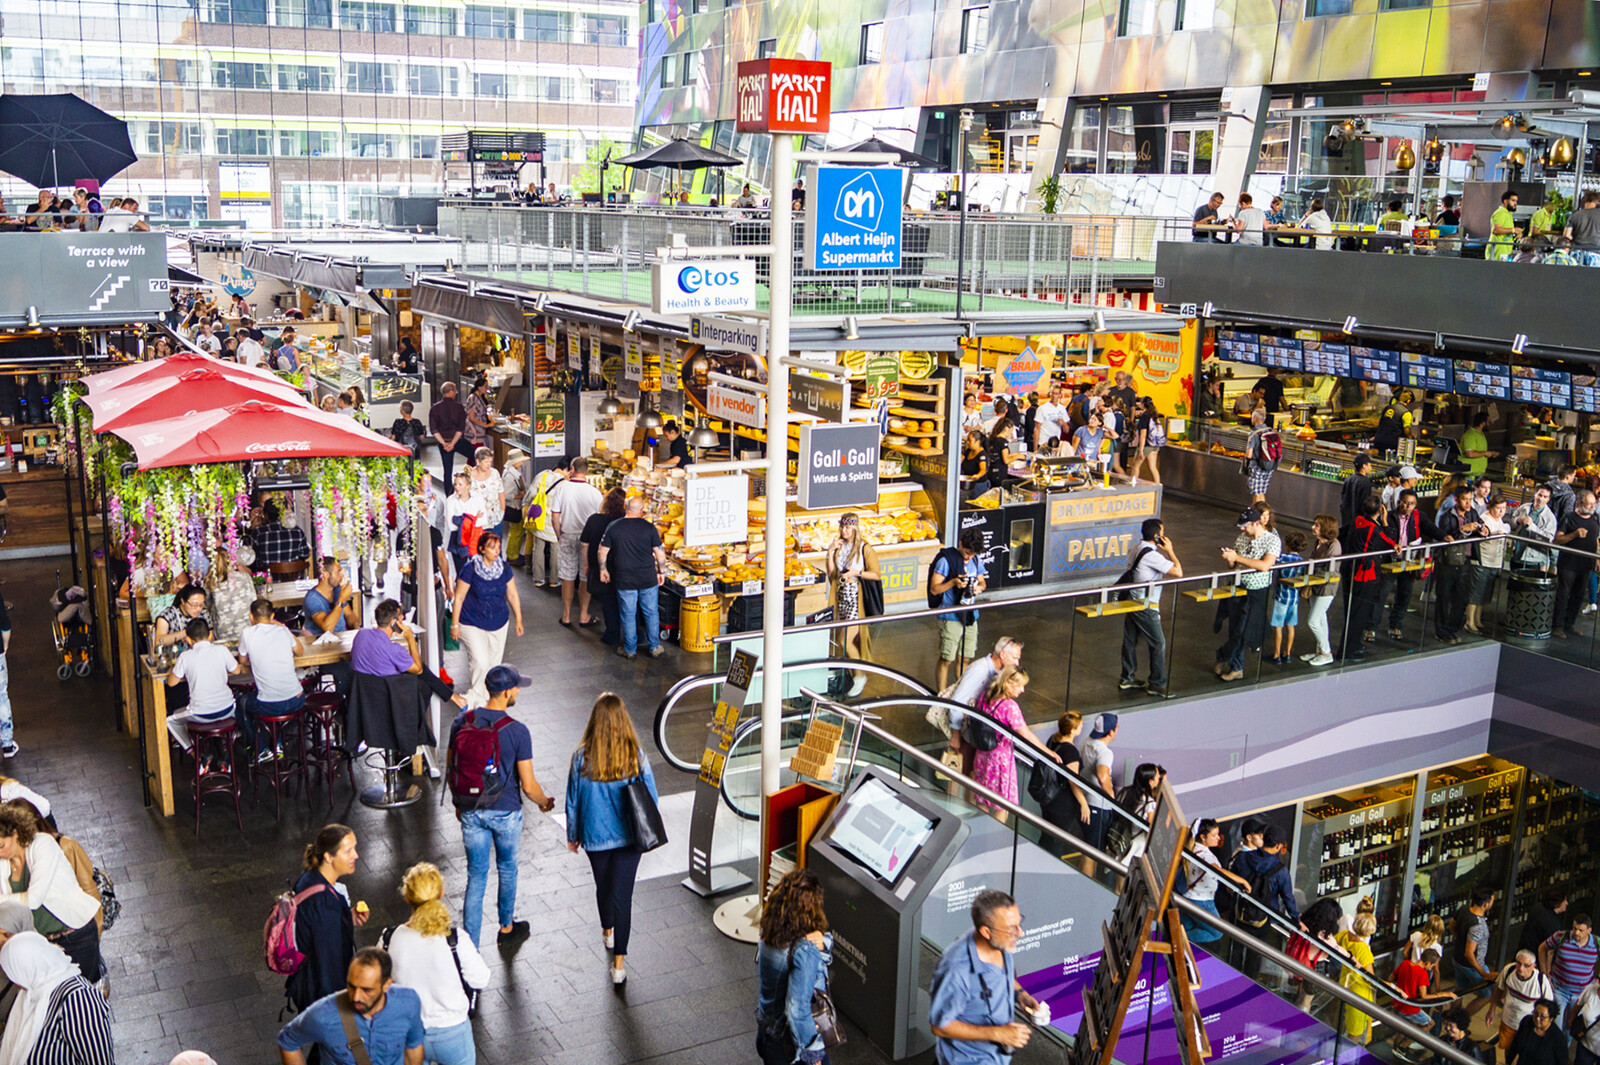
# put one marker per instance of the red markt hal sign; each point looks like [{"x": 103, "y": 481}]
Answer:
[{"x": 784, "y": 96}]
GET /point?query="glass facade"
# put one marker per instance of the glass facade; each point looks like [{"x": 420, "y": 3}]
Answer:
[{"x": 344, "y": 101}]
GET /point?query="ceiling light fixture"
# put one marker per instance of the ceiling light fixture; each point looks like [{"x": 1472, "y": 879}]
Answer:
[
  {"x": 1504, "y": 127},
  {"x": 1406, "y": 157}
]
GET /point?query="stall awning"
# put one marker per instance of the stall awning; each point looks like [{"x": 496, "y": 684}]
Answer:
[{"x": 463, "y": 304}]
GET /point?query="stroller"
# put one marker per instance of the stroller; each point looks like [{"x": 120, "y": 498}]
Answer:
[{"x": 73, "y": 630}]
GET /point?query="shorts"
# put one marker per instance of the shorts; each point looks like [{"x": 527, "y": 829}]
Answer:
[
  {"x": 1285, "y": 614},
  {"x": 957, "y": 640},
  {"x": 1259, "y": 479},
  {"x": 1506, "y": 1037},
  {"x": 1420, "y": 1018},
  {"x": 569, "y": 557}
]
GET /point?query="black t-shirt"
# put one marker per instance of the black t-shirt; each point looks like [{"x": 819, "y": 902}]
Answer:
[
  {"x": 632, "y": 543},
  {"x": 1127, "y": 395},
  {"x": 1530, "y": 1048},
  {"x": 1449, "y": 218},
  {"x": 1064, "y": 809},
  {"x": 1589, "y": 543},
  {"x": 679, "y": 449},
  {"x": 1272, "y": 390},
  {"x": 1204, "y": 214},
  {"x": 593, "y": 530},
  {"x": 1542, "y": 923},
  {"x": 407, "y": 431}
]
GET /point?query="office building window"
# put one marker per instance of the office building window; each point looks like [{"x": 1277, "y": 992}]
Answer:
[
  {"x": 871, "y": 43},
  {"x": 1196, "y": 14},
  {"x": 174, "y": 138},
  {"x": 239, "y": 12},
  {"x": 1137, "y": 18},
  {"x": 691, "y": 67},
  {"x": 607, "y": 91},
  {"x": 491, "y": 23},
  {"x": 362, "y": 16},
  {"x": 293, "y": 78},
  {"x": 610, "y": 30},
  {"x": 240, "y": 76},
  {"x": 369, "y": 77},
  {"x": 551, "y": 27},
  {"x": 1315, "y": 8},
  {"x": 429, "y": 80},
  {"x": 1403, "y": 5},
  {"x": 489, "y": 85},
  {"x": 244, "y": 142},
  {"x": 431, "y": 21},
  {"x": 373, "y": 145},
  {"x": 766, "y": 48},
  {"x": 424, "y": 147},
  {"x": 669, "y": 64},
  {"x": 1083, "y": 142},
  {"x": 306, "y": 142},
  {"x": 975, "y": 30},
  {"x": 304, "y": 14}
]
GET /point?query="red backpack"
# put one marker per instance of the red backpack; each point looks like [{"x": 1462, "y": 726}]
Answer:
[
  {"x": 472, "y": 770},
  {"x": 283, "y": 956},
  {"x": 1269, "y": 448}
]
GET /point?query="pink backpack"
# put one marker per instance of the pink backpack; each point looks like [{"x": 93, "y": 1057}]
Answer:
[{"x": 283, "y": 956}]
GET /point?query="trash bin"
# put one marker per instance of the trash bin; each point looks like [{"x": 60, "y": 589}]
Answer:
[{"x": 1530, "y": 605}]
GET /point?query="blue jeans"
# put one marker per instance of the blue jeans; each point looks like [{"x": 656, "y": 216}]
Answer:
[
  {"x": 479, "y": 830},
  {"x": 5, "y": 703},
  {"x": 1202, "y": 933},
  {"x": 629, "y": 601},
  {"x": 254, "y": 708},
  {"x": 1564, "y": 1001},
  {"x": 449, "y": 1046}
]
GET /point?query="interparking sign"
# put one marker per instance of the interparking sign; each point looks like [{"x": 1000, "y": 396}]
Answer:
[{"x": 853, "y": 218}]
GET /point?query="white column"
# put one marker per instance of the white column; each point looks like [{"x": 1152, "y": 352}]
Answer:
[{"x": 779, "y": 278}]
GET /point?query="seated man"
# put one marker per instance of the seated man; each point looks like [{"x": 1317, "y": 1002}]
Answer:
[
  {"x": 375, "y": 652},
  {"x": 276, "y": 543},
  {"x": 333, "y": 605},
  {"x": 267, "y": 648},
  {"x": 205, "y": 666}
]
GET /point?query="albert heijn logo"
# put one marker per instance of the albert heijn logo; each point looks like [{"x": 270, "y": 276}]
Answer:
[
  {"x": 860, "y": 203},
  {"x": 783, "y": 96}
]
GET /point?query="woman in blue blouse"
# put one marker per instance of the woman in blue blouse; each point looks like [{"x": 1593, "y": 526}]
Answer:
[{"x": 485, "y": 602}]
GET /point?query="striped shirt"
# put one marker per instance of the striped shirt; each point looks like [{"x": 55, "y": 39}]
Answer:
[
  {"x": 1572, "y": 964},
  {"x": 78, "y": 1029}
]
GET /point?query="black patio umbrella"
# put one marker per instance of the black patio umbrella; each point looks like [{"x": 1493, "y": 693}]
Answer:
[
  {"x": 678, "y": 154},
  {"x": 875, "y": 145},
  {"x": 47, "y": 139}
]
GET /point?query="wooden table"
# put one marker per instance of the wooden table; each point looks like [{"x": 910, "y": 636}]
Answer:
[{"x": 157, "y": 741}]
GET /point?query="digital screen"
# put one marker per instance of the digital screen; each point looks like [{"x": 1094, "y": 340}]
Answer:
[
  {"x": 1491, "y": 380},
  {"x": 1585, "y": 393},
  {"x": 1320, "y": 357},
  {"x": 1432, "y": 372},
  {"x": 880, "y": 831},
  {"x": 1548, "y": 388},
  {"x": 1374, "y": 364},
  {"x": 1282, "y": 352},
  {"x": 1233, "y": 346}
]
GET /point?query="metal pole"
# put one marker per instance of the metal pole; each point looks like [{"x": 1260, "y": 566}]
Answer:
[
  {"x": 779, "y": 280},
  {"x": 961, "y": 222}
]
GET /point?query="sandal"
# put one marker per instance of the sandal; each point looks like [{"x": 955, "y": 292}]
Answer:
[{"x": 566, "y": 624}]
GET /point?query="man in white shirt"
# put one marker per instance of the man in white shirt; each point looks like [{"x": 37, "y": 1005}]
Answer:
[
  {"x": 207, "y": 340},
  {"x": 1583, "y": 1024},
  {"x": 250, "y": 351},
  {"x": 1096, "y": 765},
  {"x": 1051, "y": 421},
  {"x": 1250, "y": 221},
  {"x": 572, "y": 503},
  {"x": 267, "y": 648},
  {"x": 205, "y": 667}
]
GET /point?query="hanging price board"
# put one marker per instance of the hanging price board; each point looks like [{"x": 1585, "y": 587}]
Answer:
[
  {"x": 633, "y": 360},
  {"x": 670, "y": 369},
  {"x": 883, "y": 376},
  {"x": 574, "y": 348}
]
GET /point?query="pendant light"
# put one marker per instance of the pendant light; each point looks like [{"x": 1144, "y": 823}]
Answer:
[
  {"x": 1433, "y": 151},
  {"x": 648, "y": 417},
  {"x": 1561, "y": 152},
  {"x": 1503, "y": 127},
  {"x": 1405, "y": 158},
  {"x": 702, "y": 435},
  {"x": 611, "y": 404}
]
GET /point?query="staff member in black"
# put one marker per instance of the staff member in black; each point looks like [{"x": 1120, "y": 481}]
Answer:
[{"x": 677, "y": 448}]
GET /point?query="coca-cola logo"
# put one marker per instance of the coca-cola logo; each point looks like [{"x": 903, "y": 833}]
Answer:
[{"x": 282, "y": 445}]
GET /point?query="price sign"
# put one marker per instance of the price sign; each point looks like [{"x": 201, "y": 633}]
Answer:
[
  {"x": 883, "y": 376},
  {"x": 574, "y": 349},
  {"x": 670, "y": 370},
  {"x": 550, "y": 415},
  {"x": 633, "y": 360}
]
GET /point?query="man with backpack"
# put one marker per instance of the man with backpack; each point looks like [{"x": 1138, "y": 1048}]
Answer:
[
  {"x": 488, "y": 769},
  {"x": 956, "y": 578},
  {"x": 1262, "y": 455},
  {"x": 1153, "y": 560}
]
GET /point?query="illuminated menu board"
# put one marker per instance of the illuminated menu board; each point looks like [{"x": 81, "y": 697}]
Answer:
[
  {"x": 1432, "y": 372},
  {"x": 1490, "y": 380},
  {"x": 1322, "y": 357},
  {"x": 1233, "y": 346},
  {"x": 1375, "y": 364},
  {"x": 1585, "y": 393},
  {"x": 1282, "y": 352},
  {"x": 1548, "y": 388}
]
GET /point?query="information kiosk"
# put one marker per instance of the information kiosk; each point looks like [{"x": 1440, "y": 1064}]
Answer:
[{"x": 878, "y": 856}]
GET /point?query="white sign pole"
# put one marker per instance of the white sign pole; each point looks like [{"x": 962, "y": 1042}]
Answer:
[{"x": 778, "y": 284}]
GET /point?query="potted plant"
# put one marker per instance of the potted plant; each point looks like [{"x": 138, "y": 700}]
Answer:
[{"x": 1050, "y": 194}]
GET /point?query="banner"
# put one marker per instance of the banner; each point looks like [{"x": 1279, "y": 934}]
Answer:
[{"x": 1159, "y": 364}]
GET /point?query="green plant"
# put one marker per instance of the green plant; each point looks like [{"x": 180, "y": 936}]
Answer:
[
  {"x": 1050, "y": 194},
  {"x": 1559, "y": 206},
  {"x": 588, "y": 176}
]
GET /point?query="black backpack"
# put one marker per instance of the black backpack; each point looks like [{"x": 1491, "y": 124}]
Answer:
[
  {"x": 1261, "y": 892},
  {"x": 450, "y": 937},
  {"x": 956, "y": 566},
  {"x": 1127, "y": 576}
]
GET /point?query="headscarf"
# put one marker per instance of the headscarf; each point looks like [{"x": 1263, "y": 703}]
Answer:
[
  {"x": 38, "y": 967},
  {"x": 15, "y": 917},
  {"x": 193, "y": 1057}
]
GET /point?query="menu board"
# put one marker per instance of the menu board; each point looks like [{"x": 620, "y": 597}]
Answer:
[
  {"x": 1282, "y": 352},
  {"x": 1233, "y": 346},
  {"x": 1491, "y": 380},
  {"x": 1432, "y": 372},
  {"x": 1585, "y": 393},
  {"x": 1322, "y": 357},
  {"x": 1548, "y": 388},
  {"x": 1374, "y": 364}
]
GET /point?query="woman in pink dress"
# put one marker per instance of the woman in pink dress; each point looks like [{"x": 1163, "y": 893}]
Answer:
[{"x": 997, "y": 769}]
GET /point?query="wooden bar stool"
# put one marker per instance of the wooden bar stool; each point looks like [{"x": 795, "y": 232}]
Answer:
[
  {"x": 215, "y": 740},
  {"x": 324, "y": 739},
  {"x": 278, "y": 733}
]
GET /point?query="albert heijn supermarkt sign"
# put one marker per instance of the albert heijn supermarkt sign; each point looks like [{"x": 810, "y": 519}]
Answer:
[{"x": 784, "y": 96}]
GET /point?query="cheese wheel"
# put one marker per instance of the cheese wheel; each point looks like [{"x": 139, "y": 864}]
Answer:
[
  {"x": 925, "y": 442},
  {"x": 928, "y": 427}
]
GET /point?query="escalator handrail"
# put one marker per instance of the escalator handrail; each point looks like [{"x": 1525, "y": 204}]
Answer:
[
  {"x": 1193, "y": 910},
  {"x": 685, "y": 685}
]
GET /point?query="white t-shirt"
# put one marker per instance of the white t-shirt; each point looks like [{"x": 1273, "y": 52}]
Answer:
[
  {"x": 270, "y": 649},
  {"x": 116, "y": 220},
  {"x": 1096, "y": 753},
  {"x": 423, "y": 963},
  {"x": 1319, "y": 222},
  {"x": 16, "y": 789},
  {"x": 576, "y": 502},
  {"x": 208, "y": 342},
  {"x": 1253, "y": 222},
  {"x": 1521, "y": 994},
  {"x": 206, "y": 666},
  {"x": 1051, "y": 421},
  {"x": 250, "y": 351},
  {"x": 1588, "y": 1007}
]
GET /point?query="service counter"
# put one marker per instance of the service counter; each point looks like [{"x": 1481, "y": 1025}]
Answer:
[
  {"x": 385, "y": 390},
  {"x": 36, "y": 507}
]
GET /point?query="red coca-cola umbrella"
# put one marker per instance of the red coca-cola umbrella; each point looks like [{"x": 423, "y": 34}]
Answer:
[
  {"x": 154, "y": 398},
  {"x": 254, "y": 430},
  {"x": 173, "y": 366}
]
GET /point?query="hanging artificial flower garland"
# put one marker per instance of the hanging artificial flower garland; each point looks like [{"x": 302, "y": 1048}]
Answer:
[{"x": 358, "y": 503}]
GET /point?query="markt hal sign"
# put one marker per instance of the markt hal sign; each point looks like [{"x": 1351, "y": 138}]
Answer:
[{"x": 784, "y": 96}]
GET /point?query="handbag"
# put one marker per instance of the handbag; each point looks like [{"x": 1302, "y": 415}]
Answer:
[
  {"x": 643, "y": 816},
  {"x": 871, "y": 598},
  {"x": 471, "y": 533},
  {"x": 823, "y": 1015}
]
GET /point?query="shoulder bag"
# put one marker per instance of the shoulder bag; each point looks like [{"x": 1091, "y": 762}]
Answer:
[
  {"x": 823, "y": 1015},
  {"x": 643, "y": 815},
  {"x": 347, "y": 1015}
]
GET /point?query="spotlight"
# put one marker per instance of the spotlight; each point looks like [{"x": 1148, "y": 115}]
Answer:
[
  {"x": 1097, "y": 321},
  {"x": 33, "y": 317},
  {"x": 851, "y": 332},
  {"x": 1504, "y": 127}
]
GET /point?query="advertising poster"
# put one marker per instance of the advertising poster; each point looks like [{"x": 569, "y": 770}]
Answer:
[
  {"x": 550, "y": 427},
  {"x": 1158, "y": 364}
]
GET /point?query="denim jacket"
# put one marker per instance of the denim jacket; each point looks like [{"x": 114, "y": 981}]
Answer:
[
  {"x": 595, "y": 819},
  {"x": 792, "y": 975}
]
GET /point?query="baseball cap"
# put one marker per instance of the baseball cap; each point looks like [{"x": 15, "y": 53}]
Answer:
[
  {"x": 1248, "y": 515},
  {"x": 504, "y": 678},
  {"x": 1409, "y": 473},
  {"x": 1104, "y": 725}
]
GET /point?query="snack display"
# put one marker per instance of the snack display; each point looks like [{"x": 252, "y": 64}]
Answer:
[{"x": 879, "y": 530}]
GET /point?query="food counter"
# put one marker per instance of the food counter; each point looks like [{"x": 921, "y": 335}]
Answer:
[
  {"x": 36, "y": 507},
  {"x": 333, "y": 371}
]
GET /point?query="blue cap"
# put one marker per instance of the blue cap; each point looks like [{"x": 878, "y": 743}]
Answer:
[
  {"x": 1104, "y": 725},
  {"x": 504, "y": 678}
]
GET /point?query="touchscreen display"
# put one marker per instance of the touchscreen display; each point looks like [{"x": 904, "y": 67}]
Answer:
[{"x": 880, "y": 831}]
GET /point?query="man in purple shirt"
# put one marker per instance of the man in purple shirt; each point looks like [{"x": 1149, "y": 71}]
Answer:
[
  {"x": 447, "y": 422},
  {"x": 374, "y": 651}
]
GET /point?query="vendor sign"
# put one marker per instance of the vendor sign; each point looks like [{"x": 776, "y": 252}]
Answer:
[
  {"x": 1157, "y": 363},
  {"x": 838, "y": 465},
  {"x": 883, "y": 375},
  {"x": 1020, "y": 373},
  {"x": 716, "y": 510},
  {"x": 550, "y": 427}
]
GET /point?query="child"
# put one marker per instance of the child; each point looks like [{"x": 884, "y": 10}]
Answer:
[{"x": 1286, "y": 606}]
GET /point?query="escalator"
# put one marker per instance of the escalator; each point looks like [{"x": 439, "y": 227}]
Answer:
[{"x": 1260, "y": 1006}]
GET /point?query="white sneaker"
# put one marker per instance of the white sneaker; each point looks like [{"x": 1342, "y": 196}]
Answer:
[
  {"x": 1590, "y": 608},
  {"x": 610, "y": 938},
  {"x": 1322, "y": 660},
  {"x": 1308, "y": 656},
  {"x": 859, "y": 684},
  {"x": 618, "y": 976}
]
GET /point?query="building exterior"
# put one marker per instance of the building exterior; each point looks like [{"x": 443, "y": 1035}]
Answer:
[
  {"x": 1142, "y": 106},
  {"x": 303, "y": 112}
]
